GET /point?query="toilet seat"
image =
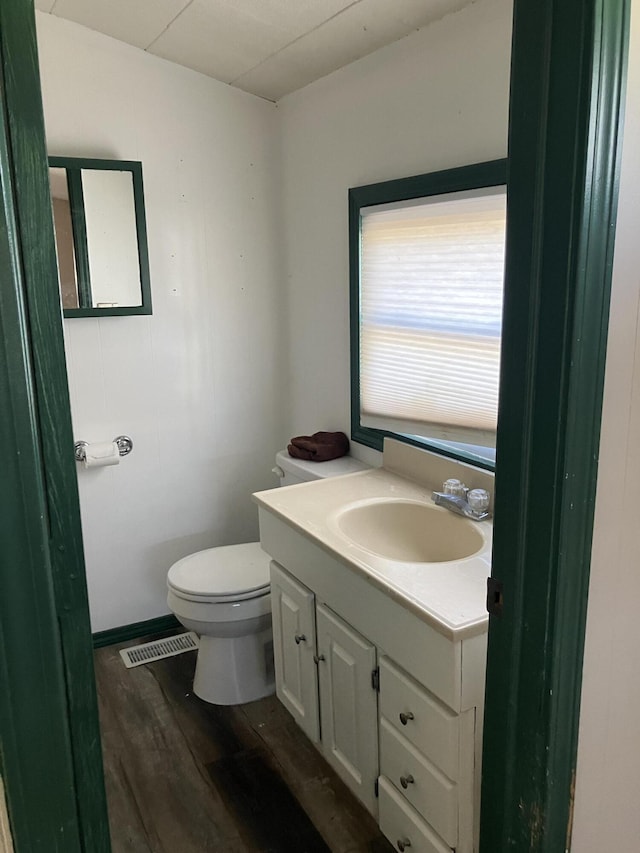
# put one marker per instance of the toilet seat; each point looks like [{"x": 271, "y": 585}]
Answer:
[{"x": 218, "y": 575}]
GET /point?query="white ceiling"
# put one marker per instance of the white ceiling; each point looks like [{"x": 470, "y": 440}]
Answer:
[{"x": 267, "y": 47}]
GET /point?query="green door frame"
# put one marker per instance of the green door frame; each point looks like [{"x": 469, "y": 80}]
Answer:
[
  {"x": 28, "y": 623},
  {"x": 566, "y": 86},
  {"x": 567, "y": 89},
  {"x": 49, "y": 733}
]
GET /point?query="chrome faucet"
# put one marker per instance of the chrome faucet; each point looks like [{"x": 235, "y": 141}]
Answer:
[{"x": 455, "y": 496}]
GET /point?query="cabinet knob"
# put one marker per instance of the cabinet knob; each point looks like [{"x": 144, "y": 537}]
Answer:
[
  {"x": 403, "y": 843},
  {"x": 318, "y": 658},
  {"x": 404, "y": 718},
  {"x": 300, "y": 638},
  {"x": 407, "y": 780}
]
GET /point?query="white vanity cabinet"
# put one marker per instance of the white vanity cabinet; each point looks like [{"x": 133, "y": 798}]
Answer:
[
  {"x": 324, "y": 675},
  {"x": 393, "y": 701}
]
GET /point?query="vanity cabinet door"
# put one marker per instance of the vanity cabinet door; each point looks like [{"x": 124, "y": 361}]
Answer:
[
  {"x": 294, "y": 644},
  {"x": 348, "y": 705}
]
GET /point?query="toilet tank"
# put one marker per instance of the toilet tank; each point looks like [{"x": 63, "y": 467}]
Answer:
[{"x": 291, "y": 471}]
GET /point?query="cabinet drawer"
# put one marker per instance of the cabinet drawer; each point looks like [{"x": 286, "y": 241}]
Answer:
[
  {"x": 420, "y": 717},
  {"x": 400, "y": 823},
  {"x": 425, "y": 787}
]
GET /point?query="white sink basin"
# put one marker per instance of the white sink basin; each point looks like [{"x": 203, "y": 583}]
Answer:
[{"x": 409, "y": 531}]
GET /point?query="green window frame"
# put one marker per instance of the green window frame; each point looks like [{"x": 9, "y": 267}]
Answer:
[{"x": 472, "y": 177}]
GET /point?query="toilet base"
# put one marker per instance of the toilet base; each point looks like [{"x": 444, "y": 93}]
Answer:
[{"x": 235, "y": 670}]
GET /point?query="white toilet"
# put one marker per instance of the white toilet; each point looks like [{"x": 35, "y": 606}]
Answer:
[{"x": 223, "y": 594}]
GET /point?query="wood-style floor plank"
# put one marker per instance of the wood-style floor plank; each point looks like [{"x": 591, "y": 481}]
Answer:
[
  {"x": 183, "y": 776},
  {"x": 345, "y": 825},
  {"x": 146, "y": 749},
  {"x": 270, "y": 817}
]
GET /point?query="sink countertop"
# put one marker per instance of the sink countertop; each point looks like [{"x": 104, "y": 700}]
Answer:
[{"x": 448, "y": 596}]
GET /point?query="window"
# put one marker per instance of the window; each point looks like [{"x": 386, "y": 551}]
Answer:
[{"x": 427, "y": 264}]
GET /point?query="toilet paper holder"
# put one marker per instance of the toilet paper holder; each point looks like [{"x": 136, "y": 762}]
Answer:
[{"x": 125, "y": 446}]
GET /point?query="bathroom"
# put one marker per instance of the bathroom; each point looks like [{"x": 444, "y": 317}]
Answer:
[
  {"x": 246, "y": 206},
  {"x": 247, "y": 227}
]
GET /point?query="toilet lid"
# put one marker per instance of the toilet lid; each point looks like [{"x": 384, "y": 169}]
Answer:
[{"x": 229, "y": 571}]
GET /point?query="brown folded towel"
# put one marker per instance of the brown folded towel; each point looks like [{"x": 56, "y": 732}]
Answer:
[{"x": 319, "y": 447}]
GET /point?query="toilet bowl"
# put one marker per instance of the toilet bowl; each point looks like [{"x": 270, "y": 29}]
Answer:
[{"x": 223, "y": 594}]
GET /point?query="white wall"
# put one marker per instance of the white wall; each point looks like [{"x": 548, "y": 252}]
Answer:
[
  {"x": 434, "y": 100},
  {"x": 195, "y": 384},
  {"x": 607, "y": 806}
]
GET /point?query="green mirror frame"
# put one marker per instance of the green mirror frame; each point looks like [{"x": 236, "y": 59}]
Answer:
[{"x": 73, "y": 167}]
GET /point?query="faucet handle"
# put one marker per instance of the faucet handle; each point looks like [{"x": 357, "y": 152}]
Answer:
[
  {"x": 452, "y": 486},
  {"x": 478, "y": 500}
]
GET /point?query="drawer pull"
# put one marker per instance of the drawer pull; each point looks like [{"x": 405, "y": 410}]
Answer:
[
  {"x": 318, "y": 658},
  {"x": 300, "y": 638},
  {"x": 404, "y": 718},
  {"x": 407, "y": 780},
  {"x": 403, "y": 843}
]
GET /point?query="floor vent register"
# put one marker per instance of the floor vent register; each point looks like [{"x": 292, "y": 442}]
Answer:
[{"x": 158, "y": 649}]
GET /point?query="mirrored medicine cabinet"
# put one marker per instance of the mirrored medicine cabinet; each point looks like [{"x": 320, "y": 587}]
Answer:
[{"x": 101, "y": 236}]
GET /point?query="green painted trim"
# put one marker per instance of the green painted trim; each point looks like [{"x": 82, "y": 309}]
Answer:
[
  {"x": 143, "y": 246},
  {"x": 74, "y": 167},
  {"x": 567, "y": 85},
  {"x": 492, "y": 173},
  {"x": 474, "y": 176},
  {"x": 96, "y": 313},
  {"x": 52, "y": 601},
  {"x": 34, "y": 731},
  {"x": 80, "y": 245},
  {"x": 135, "y": 630},
  {"x": 62, "y": 162}
]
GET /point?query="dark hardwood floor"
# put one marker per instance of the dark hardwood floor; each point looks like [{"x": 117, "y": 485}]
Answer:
[{"x": 183, "y": 776}]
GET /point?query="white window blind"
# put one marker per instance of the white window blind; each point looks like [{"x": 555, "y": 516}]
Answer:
[{"x": 430, "y": 315}]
